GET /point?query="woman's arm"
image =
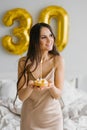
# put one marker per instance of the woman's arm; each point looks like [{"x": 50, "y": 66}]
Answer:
[
  {"x": 56, "y": 88},
  {"x": 26, "y": 89}
]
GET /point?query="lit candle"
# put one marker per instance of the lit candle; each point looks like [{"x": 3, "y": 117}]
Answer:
[{"x": 41, "y": 68}]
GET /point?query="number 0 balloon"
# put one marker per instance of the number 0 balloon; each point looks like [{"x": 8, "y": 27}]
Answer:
[{"x": 63, "y": 23}]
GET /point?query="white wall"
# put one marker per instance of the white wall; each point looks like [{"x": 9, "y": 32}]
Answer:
[{"x": 75, "y": 52}]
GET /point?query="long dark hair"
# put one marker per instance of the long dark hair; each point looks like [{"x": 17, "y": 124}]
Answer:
[{"x": 34, "y": 51}]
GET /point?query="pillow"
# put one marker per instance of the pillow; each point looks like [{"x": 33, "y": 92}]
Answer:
[
  {"x": 8, "y": 94},
  {"x": 8, "y": 89},
  {"x": 70, "y": 93}
]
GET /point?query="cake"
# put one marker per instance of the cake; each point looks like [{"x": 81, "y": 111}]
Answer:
[{"x": 41, "y": 82}]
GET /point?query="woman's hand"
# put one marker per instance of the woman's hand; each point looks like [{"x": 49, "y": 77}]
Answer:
[
  {"x": 31, "y": 84},
  {"x": 50, "y": 85}
]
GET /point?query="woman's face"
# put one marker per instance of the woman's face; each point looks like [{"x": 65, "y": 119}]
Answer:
[{"x": 46, "y": 39}]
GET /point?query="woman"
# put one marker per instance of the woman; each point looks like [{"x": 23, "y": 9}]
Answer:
[{"x": 41, "y": 109}]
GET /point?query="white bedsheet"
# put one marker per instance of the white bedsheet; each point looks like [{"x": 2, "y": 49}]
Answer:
[
  {"x": 75, "y": 114},
  {"x": 74, "y": 111},
  {"x": 8, "y": 120}
]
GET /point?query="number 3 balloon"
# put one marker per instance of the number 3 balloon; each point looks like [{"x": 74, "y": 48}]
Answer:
[{"x": 20, "y": 32}]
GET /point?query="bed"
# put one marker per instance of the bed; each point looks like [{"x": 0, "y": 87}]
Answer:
[{"x": 74, "y": 108}]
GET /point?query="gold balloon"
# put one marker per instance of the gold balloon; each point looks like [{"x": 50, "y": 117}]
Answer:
[
  {"x": 63, "y": 23},
  {"x": 21, "y": 32}
]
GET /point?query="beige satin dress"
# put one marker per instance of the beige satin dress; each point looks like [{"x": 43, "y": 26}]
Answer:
[{"x": 41, "y": 111}]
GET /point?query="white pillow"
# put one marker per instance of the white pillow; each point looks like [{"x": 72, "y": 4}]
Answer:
[
  {"x": 70, "y": 93},
  {"x": 8, "y": 88},
  {"x": 8, "y": 94}
]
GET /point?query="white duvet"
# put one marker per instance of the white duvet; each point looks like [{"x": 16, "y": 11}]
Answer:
[
  {"x": 75, "y": 115},
  {"x": 74, "y": 111},
  {"x": 8, "y": 120}
]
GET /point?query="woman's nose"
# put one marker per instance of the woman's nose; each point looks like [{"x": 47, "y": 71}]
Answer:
[{"x": 48, "y": 39}]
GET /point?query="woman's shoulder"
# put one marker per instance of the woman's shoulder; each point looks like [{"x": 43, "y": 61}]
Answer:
[
  {"x": 22, "y": 61},
  {"x": 59, "y": 60}
]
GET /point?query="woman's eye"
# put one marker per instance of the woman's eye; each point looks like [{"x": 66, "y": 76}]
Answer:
[
  {"x": 43, "y": 37},
  {"x": 51, "y": 35}
]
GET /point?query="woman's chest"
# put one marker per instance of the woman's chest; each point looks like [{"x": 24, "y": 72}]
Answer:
[{"x": 43, "y": 69}]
